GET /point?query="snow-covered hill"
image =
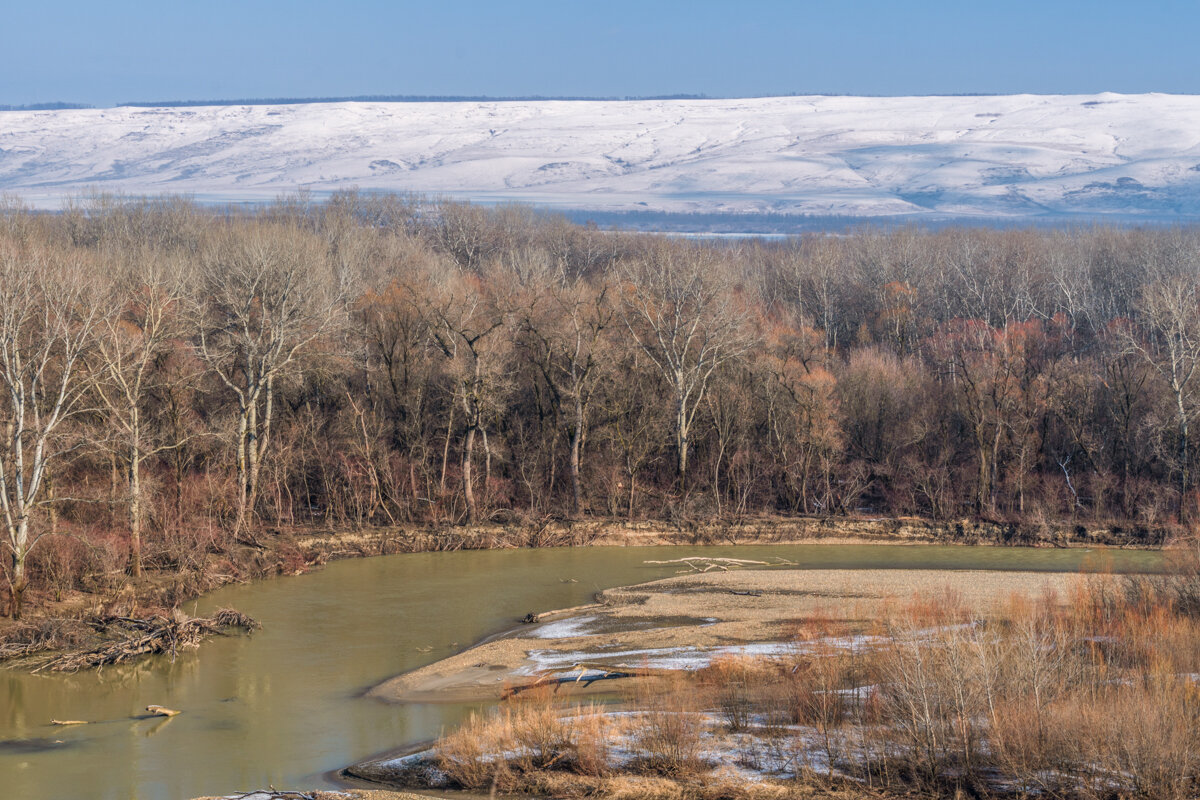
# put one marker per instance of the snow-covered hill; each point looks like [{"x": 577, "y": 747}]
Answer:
[{"x": 1020, "y": 155}]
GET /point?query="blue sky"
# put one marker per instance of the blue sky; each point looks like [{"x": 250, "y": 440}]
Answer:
[{"x": 119, "y": 50}]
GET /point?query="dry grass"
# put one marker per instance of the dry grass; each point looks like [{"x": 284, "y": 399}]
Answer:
[
  {"x": 525, "y": 739},
  {"x": 1085, "y": 697}
]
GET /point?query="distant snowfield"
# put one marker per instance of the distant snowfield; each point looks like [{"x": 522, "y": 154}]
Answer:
[{"x": 999, "y": 156}]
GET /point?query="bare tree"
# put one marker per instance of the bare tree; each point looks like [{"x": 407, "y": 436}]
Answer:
[
  {"x": 266, "y": 293},
  {"x": 568, "y": 347},
  {"x": 682, "y": 310},
  {"x": 47, "y": 311},
  {"x": 1171, "y": 313},
  {"x": 466, "y": 321},
  {"x": 145, "y": 301}
]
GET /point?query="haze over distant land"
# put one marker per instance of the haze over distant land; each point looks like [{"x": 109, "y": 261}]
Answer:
[{"x": 1015, "y": 156}]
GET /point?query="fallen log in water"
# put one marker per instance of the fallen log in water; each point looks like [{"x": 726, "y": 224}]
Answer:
[
  {"x": 161, "y": 711},
  {"x": 151, "y": 636}
]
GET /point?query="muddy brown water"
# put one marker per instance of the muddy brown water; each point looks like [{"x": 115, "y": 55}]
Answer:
[{"x": 284, "y": 706}]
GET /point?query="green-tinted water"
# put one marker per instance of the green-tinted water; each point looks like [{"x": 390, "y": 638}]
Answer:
[{"x": 283, "y": 707}]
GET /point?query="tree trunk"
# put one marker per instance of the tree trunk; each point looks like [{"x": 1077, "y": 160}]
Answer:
[
  {"x": 242, "y": 446},
  {"x": 135, "y": 513},
  {"x": 681, "y": 443},
  {"x": 251, "y": 489},
  {"x": 135, "y": 493},
  {"x": 468, "y": 486},
  {"x": 1184, "y": 455},
  {"x": 487, "y": 469},
  {"x": 632, "y": 485},
  {"x": 51, "y": 506},
  {"x": 981, "y": 495},
  {"x": 19, "y": 579},
  {"x": 446, "y": 453},
  {"x": 18, "y": 591},
  {"x": 261, "y": 442},
  {"x": 576, "y": 456},
  {"x": 576, "y": 492}
]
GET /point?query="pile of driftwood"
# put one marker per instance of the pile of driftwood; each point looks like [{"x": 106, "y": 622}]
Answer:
[
  {"x": 139, "y": 637},
  {"x": 709, "y": 563}
]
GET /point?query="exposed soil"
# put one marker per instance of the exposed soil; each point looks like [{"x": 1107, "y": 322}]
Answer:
[{"x": 694, "y": 615}]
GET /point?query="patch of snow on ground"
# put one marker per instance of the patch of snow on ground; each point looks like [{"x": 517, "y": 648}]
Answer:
[
  {"x": 563, "y": 629},
  {"x": 689, "y": 658}
]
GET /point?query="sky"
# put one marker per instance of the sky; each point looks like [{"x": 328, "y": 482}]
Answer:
[{"x": 104, "y": 53}]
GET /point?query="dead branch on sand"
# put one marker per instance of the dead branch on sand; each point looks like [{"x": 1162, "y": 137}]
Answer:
[
  {"x": 278, "y": 794},
  {"x": 709, "y": 563}
]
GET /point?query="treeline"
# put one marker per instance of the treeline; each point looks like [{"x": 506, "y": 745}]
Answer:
[
  {"x": 55, "y": 106},
  {"x": 400, "y": 98},
  {"x": 173, "y": 379}
]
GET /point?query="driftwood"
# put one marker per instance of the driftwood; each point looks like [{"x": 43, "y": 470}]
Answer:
[
  {"x": 14, "y": 650},
  {"x": 747, "y": 593},
  {"x": 161, "y": 711},
  {"x": 68, "y": 722},
  {"x": 709, "y": 563},
  {"x": 602, "y": 672},
  {"x": 150, "y": 636}
]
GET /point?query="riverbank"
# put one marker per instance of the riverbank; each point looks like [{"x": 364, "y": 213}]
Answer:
[
  {"x": 77, "y": 620},
  {"x": 785, "y": 683},
  {"x": 285, "y": 706},
  {"x": 687, "y": 621}
]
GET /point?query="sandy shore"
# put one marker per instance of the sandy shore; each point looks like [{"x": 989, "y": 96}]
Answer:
[{"x": 687, "y": 620}]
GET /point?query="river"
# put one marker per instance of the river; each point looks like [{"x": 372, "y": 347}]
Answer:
[{"x": 284, "y": 706}]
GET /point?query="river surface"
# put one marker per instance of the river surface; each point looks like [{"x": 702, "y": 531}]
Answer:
[{"x": 284, "y": 706}]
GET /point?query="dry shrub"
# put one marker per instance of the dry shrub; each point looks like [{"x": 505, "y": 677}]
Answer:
[
  {"x": 740, "y": 689},
  {"x": 668, "y": 733},
  {"x": 470, "y": 755},
  {"x": 593, "y": 733},
  {"x": 825, "y": 691},
  {"x": 541, "y": 735},
  {"x": 931, "y": 698},
  {"x": 517, "y": 747},
  {"x": 84, "y": 558},
  {"x": 643, "y": 787},
  {"x": 1137, "y": 740},
  {"x": 1036, "y": 747},
  {"x": 1178, "y": 588}
]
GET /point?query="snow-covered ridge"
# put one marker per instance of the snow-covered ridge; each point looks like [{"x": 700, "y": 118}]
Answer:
[{"x": 1017, "y": 155}]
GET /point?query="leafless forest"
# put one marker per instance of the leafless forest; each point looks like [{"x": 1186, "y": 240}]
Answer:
[{"x": 176, "y": 379}]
